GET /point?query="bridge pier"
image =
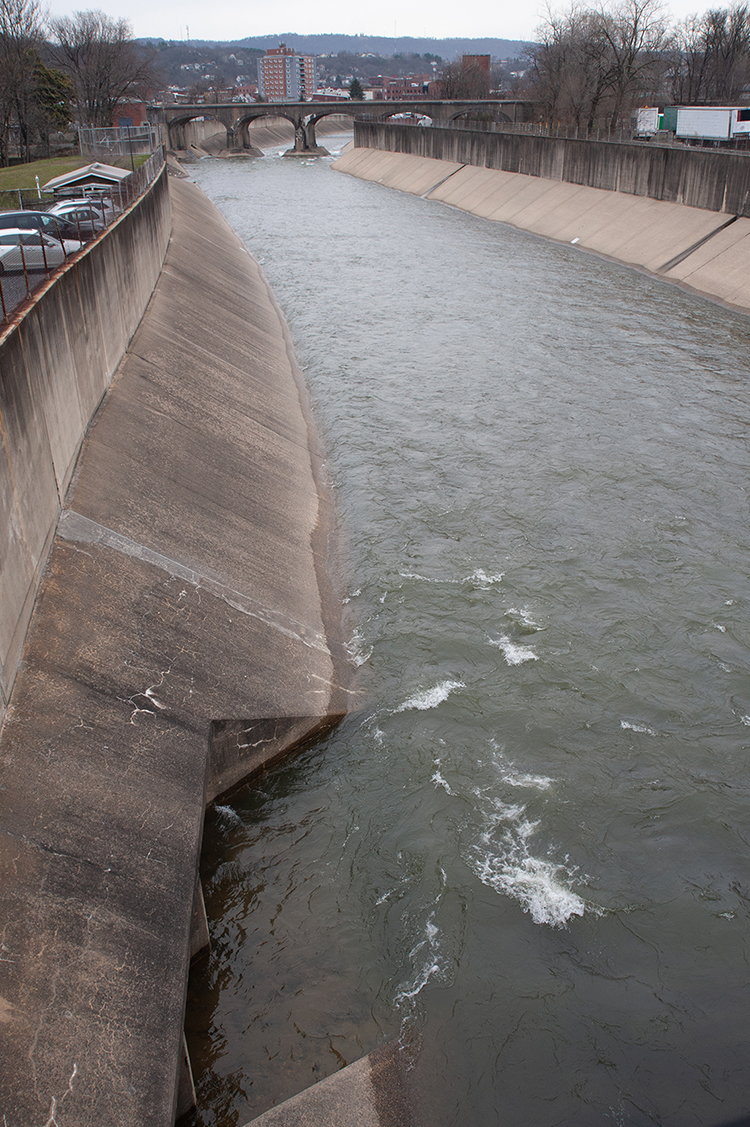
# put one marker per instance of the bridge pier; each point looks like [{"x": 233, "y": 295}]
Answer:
[{"x": 305, "y": 141}]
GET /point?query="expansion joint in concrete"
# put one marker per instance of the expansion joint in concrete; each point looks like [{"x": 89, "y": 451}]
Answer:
[
  {"x": 678, "y": 258},
  {"x": 79, "y": 529},
  {"x": 440, "y": 182}
]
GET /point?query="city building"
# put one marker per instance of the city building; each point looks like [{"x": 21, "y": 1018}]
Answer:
[
  {"x": 407, "y": 88},
  {"x": 480, "y": 63},
  {"x": 286, "y": 77}
]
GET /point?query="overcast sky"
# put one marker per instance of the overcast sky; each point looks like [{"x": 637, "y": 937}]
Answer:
[{"x": 231, "y": 19}]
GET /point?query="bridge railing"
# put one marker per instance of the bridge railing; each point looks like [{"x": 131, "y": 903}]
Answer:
[{"x": 23, "y": 269}]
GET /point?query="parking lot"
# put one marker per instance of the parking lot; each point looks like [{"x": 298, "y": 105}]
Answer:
[{"x": 41, "y": 236}]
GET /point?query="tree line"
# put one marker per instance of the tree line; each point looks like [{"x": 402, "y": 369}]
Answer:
[
  {"x": 55, "y": 71},
  {"x": 592, "y": 65}
]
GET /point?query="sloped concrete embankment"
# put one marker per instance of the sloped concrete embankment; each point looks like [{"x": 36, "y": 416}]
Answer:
[
  {"x": 187, "y": 601},
  {"x": 695, "y": 246}
]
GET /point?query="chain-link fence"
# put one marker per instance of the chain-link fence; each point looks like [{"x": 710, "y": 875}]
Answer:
[
  {"x": 124, "y": 141},
  {"x": 37, "y": 238}
]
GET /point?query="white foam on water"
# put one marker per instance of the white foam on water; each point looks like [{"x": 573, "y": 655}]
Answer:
[
  {"x": 427, "y": 972},
  {"x": 525, "y": 617},
  {"x": 745, "y": 720},
  {"x": 228, "y": 816},
  {"x": 431, "y": 698},
  {"x": 438, "y": 780},
  {"x": 482, "y": 579},
  {"x": 637, "y": 728},
  {"x": 426, "y": 954},
  {"x": 425, "y": 578},
  {"x": 502, "y": 860},
  {"x": 479, "y": 578},
  {"x": 513, "y": 653},
  {"x": 508, "y": 773},
  {"x": 537, "y": 782},
  {"x": 358, "y": 652}
]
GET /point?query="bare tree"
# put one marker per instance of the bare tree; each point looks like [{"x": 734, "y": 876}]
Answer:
[
  {"x": 690, "y": 62},
  {"x": 591, "y": 65},
  {"x": 569, "y": 67},
  {"x": 103, "y": 62},
  {"x": 20, "y": 40},
  {"x": 633, "y": 37},
  {"x": 465, "y": 79},
  {"x": 711, "y": 56}
]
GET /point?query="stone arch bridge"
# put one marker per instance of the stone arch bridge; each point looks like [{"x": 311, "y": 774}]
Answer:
[{"x": 236, "y": 117}]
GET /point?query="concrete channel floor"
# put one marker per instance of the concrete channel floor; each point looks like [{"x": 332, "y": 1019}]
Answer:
[{"x": 188, "y": 584}]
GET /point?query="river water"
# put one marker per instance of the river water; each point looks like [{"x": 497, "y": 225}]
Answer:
[{"x": 526, "y": 856}]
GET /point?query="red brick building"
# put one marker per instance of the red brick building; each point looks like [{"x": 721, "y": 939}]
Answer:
[{"x": 286, "y": 77}]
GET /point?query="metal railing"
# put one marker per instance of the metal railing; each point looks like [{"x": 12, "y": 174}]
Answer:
[
  {"x": 617, "y": 133},
  {"x": 21, "y": 273}
]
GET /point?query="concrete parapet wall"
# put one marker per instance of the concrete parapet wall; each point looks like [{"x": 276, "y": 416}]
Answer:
[
  {"x": 710, "y": 179},
  {"x": 55, "y": 366},
  {"x": 697, "y": 248}
]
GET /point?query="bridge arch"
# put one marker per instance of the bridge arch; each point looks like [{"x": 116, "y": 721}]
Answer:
[
  {"x": 179, "y": 133},
  {"x": 246, "y": 118}
]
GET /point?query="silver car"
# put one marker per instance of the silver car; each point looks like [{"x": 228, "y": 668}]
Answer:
[
  {"x": 85, "y": 217},
  {"x": 35, "y": 249}
]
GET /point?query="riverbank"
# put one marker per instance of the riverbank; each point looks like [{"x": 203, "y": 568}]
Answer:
[
  {"x": 702, "y": 250},
  {"x": 187, "y": 632}
]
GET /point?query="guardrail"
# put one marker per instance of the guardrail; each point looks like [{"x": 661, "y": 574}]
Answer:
[{"x": 25, "y": 270}]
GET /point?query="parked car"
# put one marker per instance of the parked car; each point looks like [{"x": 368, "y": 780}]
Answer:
[
  {"x": 38, "y": 250},
  {"x": 54, "y": 225},
  {"x": 102, "y": 204},
  {"x": 84, "y": 217}
]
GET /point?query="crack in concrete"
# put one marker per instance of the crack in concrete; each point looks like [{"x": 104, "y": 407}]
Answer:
[{"x": 68, "y": 856}]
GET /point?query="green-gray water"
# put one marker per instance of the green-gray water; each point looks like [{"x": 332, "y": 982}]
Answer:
[{"x": 527, "y": 856}]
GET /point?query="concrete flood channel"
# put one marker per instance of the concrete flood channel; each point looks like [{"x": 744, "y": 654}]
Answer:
[
  {"x": 511, "y": 886},
  {"x": 156, "y": 639},
  {"x": 523, "y": 859}
]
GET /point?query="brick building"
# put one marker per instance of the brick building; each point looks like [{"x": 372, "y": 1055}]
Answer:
[
  {"x": 390, "y": 89},
  {"x": 286, "y": 77}
]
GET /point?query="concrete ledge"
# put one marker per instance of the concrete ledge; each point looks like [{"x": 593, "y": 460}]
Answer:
[
  {"x": 188, "y": 586},
  {"x": 636, "y": 230},
  {"x": 369, "y": 1093}
]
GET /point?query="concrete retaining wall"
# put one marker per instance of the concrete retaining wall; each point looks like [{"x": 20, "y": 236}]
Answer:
[
  {"x": 55, "y": 366},
  {"x": 717, "y": 181},
  {"x": 697, "y": 248},
  {"x": 186, "y": 608}
]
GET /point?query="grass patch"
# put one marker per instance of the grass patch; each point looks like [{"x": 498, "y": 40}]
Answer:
[{"x": 22, "y": 175}]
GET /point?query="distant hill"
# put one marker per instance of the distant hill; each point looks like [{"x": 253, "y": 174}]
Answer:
[
  {"x": 199, "y": 64},
  {"x": 385, "y": 46}
]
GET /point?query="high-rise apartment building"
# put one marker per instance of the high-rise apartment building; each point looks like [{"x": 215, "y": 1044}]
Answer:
[{"x": 286, "y": 77}]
